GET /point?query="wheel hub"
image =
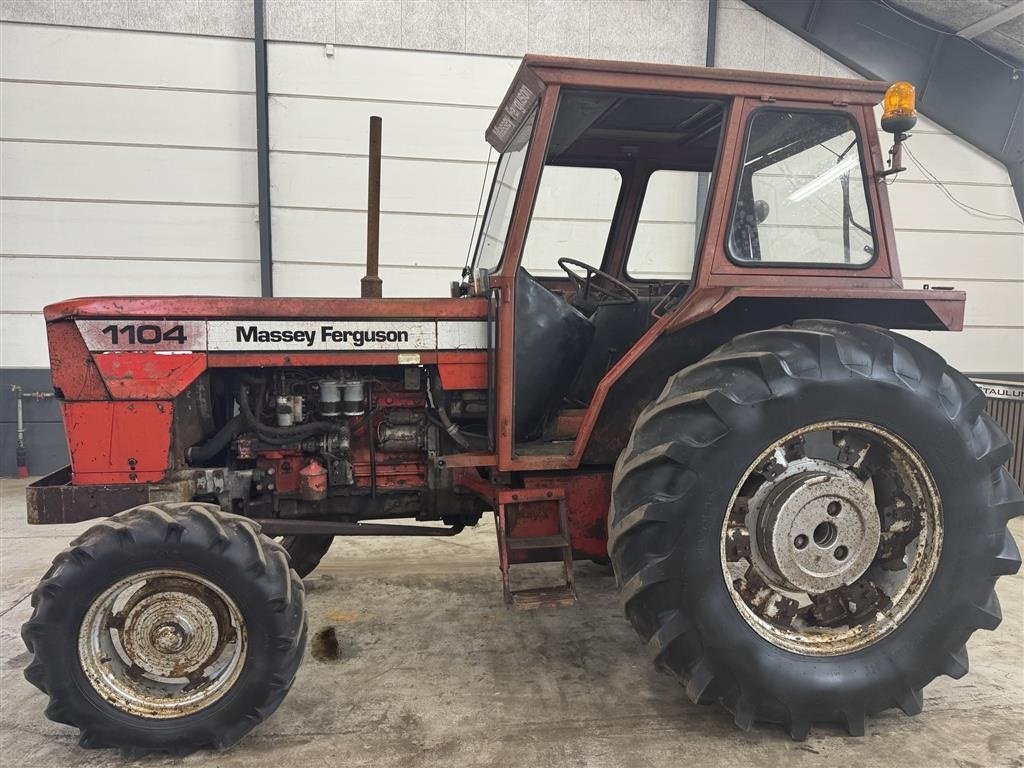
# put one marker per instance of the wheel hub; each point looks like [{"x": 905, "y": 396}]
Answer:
[
  {"x": 169, "y": 638},
  {"x": 170, "y": 634},
  {"x": 162, "y": 644},
  {"x": 831, "y": 537},
  {"x": 814, "y": 529}
]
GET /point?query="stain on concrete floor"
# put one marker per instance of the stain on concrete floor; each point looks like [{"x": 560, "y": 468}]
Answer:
[{"x": 431, "y": 669}]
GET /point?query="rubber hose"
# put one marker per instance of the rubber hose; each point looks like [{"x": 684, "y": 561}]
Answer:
[
  {"x": 199, "y": 454},
  {"x": 460, "y": 437},
  {"x": 271, "y": 434}
]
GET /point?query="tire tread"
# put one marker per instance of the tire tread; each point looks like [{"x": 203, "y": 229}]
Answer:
[
  {"x": 744, "y": 372},
  {"x": 232, "y": 536}
]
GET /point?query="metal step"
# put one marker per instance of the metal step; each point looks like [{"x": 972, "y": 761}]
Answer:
[
  {"x": 558, "y": 541},
  {"x": 543, "y": 597}
]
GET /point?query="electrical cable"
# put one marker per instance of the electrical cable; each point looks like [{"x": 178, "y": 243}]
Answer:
[{"x": 968, "y": 209}]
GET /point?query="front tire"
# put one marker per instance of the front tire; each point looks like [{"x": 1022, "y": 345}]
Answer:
[
  {"x": 675, "y": 531},
  {"x": 166, "y": 628}
]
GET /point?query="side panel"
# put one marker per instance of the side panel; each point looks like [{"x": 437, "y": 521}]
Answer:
[
  {"x": 462, "y": 370},
  {"x": 75, "y": 376},
  {"x": 118, "y": 442},
  {"x": 149, "y": 375}
]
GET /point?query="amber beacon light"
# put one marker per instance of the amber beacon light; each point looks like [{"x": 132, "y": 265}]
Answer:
[{"x": 898, "y": 113}]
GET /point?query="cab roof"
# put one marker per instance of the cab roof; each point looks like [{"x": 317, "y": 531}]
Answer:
[{"x": 536, "y": 73}]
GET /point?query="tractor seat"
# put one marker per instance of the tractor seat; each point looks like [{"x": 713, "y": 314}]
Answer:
[
  {"x": 552, "y": 338},
  {"x": 617, "y": 327}
]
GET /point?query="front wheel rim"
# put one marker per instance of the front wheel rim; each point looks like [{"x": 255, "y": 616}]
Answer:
[
  {"x": 831, "y": 538},
  {"x": 162, "y": 644}
]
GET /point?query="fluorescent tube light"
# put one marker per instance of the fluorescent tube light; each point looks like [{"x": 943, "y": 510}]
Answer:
[{"x": 818, "y": 182}]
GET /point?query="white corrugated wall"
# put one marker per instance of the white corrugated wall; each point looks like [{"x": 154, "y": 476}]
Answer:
[{"x": 127, "y": 165}]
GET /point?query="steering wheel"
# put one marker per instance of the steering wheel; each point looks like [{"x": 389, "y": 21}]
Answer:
[{"x": 596, "y": 288}]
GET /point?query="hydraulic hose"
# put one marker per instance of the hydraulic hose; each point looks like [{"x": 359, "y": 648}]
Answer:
[
  {"x": 200, "y": 454},
  {"x": 453, "y": 430}
]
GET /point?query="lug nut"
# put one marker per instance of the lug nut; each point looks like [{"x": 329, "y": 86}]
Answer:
[
  {"x": 840, "y": 553},
  {"x": 834, "y": 508},
  {"x": 800, "y": 541}
]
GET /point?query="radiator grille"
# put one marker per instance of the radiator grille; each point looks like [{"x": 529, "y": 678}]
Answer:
[{"x": 1006, "y": 406}]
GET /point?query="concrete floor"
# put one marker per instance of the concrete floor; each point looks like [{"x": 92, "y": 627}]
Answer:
[{"x": 434, "y": 670}]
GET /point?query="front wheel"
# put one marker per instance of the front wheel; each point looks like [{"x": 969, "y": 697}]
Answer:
[
  {"x": 808, "y": 524},
  {"x": 167, "y": 628}
]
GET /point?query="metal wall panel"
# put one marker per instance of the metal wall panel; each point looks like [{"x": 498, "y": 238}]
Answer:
[{"x": 1005, "y": 405}]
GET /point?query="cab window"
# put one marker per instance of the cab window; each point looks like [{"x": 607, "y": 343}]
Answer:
[
  {"x": 802, "y": 198},
  {"x": 665, "y": 241},
  {"x": 504, "y": 188},
  {"x": 571, "y": 218}
]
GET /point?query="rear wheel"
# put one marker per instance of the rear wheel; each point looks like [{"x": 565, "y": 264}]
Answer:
[
  {"x": 167, "y": 628},
  {"x": 305, "y": 552},
  {"x": 808, "y": 524}
]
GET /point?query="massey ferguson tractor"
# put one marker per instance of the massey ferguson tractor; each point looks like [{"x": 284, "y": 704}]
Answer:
[{"x": 672, "y": 348}]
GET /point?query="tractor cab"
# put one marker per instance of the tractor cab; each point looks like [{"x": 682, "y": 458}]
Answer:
[{"x": 625, "y": 201}]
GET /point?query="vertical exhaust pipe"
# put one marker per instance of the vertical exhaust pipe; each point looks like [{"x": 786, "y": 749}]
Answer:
[{"x": 371, "y": 285}]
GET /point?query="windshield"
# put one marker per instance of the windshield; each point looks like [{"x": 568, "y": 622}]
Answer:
[{"x": 502, "y": 198}]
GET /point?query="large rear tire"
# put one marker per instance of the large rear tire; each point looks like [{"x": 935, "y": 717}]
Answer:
[
  {"x": 167, "y": 628},
  {"x": 704, "y": 508}
]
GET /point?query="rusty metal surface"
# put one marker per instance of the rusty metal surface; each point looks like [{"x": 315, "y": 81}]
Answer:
[
  {"x": 124, "y": 441},
  {"x": 148, "y": 375},
  {"x": 282, "y": 527},
  {"x": 370, "y": 286},
  {"x": 588, "y": 496},
  {"x": 504, "y": 279},
  {"x": 857, "y": 613},
  {"x": 532, "y": 525},
  {"x": 52, "y": 499},
  {"x": 74, "y": 372},
  {"x": 839, "y": 86},
  {"x": 236, "y": 307},
  {"x": 162, "y": 644},
  {"x": 538, "y": 72}
]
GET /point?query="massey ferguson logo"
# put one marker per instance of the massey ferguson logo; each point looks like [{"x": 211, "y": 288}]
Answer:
[
  {"x": 272, "y": 335},
  {"x": 328, "y": 334}
]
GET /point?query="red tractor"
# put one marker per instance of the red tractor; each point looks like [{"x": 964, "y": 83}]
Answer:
[{"x": 806, "y": 515}]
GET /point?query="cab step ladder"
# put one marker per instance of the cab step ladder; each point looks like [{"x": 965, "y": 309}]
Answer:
[{"x": 538, "y": 597}]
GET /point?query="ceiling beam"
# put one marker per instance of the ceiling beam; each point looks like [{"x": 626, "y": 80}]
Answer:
[
  {"x": 982, "y": 26},
  {"x": 960, "y": 85}
]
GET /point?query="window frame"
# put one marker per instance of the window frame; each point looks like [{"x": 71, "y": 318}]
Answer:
[
  {"x": 474, "y": 262},
  {"x": 728, "y": 105},
  {"x": 868, "y": 177}
]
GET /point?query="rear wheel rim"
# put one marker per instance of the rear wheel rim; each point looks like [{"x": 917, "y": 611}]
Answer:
[
  {"x": 162, "y": 644},
  {"x": 831, "y": 538}
]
